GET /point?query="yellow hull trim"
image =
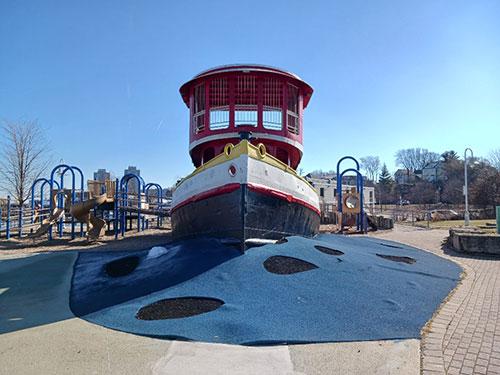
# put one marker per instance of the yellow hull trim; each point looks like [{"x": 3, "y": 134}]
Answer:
[{"x": 245, "y": 148}]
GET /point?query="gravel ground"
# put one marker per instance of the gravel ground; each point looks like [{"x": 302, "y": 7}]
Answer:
[{"x": 132, "y": 241}]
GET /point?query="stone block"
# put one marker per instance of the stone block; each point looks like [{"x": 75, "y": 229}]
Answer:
[{"x": 472, "y": 240}]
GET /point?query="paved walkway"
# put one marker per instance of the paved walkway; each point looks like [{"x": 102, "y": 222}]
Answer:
[{"x": 464, "y": 335}]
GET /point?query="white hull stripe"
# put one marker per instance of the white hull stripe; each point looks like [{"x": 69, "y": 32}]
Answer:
[{"x": 248, "y": 171}]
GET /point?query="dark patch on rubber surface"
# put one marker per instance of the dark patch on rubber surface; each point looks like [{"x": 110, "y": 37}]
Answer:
[
  {"x": 122, "y": 267},
  {"x": 329, "y": 251},
  {"x": 281, "y": 240},
  {"x": 282, "y": 265},
  {"x": 175, "y": 308},
  {"x": 389, "y": 245},
  {"x": 394, "y": 258}
]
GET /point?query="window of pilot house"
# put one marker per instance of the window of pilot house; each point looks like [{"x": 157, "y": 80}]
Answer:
[
  {"x": 199, "y": 109},
  {"x": 292, "y": 113},
  {"x": 322, "y": 192},
  {"x": 219, "y": 104},
  {"x": 272, "y": 113},
  {"x": 245, "y": 101}
]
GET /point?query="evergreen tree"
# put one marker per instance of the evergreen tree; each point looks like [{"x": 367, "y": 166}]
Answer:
[
  {"x": 385, "y": 185},
  {"x": 449, "y": 156}
]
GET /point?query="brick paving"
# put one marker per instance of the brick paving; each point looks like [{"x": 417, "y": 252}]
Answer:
[{"x": 463, "y": 337}]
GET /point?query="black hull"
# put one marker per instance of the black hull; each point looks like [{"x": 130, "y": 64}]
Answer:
[{"x": 244, "y": 214}]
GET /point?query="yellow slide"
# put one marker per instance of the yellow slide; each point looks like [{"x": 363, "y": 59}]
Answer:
[{"x": 81, "y": 212}]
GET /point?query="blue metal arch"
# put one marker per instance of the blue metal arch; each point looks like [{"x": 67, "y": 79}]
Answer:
[
  {"x": 66, "y": 168},
  {"x": 82, "y": 184},
  {"x": 123, "y": 195},
  {"x": 73, "y": 168},
  {"x": 359, "y": 187},
  {"x": 45, "y": 182},
  {"x": 73, "y": 193},
  {"x": 158, "y": 189},
  {"x": 345, "y": 158},
  {"x": 125, "y": 179},
  {"x": 339, "y": 179},
  {"x": 159, "y": 200}
]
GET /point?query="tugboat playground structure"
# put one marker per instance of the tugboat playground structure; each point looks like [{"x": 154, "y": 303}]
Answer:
[{"x": 246, "y": 134}]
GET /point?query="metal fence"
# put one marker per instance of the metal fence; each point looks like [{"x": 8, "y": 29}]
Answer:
[{"x": 410, "y": 216}]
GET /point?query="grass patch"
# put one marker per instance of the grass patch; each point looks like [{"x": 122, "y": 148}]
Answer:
[{"x": 447, "y": 224}]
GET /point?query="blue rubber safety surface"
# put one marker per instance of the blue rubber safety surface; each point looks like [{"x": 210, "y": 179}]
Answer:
[{"x": 351, "y": 297}]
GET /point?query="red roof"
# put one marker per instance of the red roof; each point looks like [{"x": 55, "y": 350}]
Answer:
[{"x": 246, "y": 68}]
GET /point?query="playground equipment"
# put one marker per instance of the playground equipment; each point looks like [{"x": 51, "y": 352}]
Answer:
[
  {"x": 47, "y": 223},
  {"x": 245, "y": 140},
  {"x": 70, "y": 195},
  {"x": 351, "y": 202},
  {"x": 55, "y": 215},
  {"x": 81, "y": 212},
  {"x": 108, "y": 202}
]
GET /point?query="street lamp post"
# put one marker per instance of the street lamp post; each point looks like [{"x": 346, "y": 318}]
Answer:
[{"x": 467, "y": 216}]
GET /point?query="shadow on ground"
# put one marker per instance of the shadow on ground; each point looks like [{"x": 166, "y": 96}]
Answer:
[
  {"x": 34, "y": 290},
  {"x": 95, "y": 288}
]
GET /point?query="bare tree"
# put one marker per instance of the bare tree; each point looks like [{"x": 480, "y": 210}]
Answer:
[
  {"x": 486, "y": 189},
  {"x": 23, "y": 157},
  {"x": 371, "y": 165},
  {"x": 415, "y": 158},
  {"x": 494, "y": 158},
  {"x": 423, "y": 192}
]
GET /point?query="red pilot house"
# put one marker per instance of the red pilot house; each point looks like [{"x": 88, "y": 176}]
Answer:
[
  {"x": 245, "y": 139},
  {"x": 268, "y": 102}
]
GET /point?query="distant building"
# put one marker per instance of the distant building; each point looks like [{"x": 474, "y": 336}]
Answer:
[
  {"x": 132, "y": 185},
  {"x": 433, "y": 171},
  {"x": 404, "y": 176},
  {"x": 132, "y": 169},
  {"x": 102, "y": 175}
]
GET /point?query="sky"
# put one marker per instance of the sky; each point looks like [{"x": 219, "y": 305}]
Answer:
[{"x": 102, "y": 77}]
